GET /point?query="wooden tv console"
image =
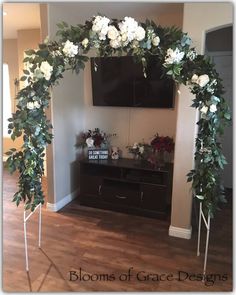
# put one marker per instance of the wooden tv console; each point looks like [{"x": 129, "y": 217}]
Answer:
[{"x": 126, "y": 185}]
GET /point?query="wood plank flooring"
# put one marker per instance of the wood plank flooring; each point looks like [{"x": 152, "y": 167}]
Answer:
[{"x": 104, "y": 246}]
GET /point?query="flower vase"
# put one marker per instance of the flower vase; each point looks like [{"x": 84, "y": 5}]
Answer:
[{"x": 160, "y": 159}]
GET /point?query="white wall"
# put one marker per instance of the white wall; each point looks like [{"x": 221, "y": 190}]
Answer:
[
  {"x": 198, "y": 18},
  {"x": 71, "y": 108}
]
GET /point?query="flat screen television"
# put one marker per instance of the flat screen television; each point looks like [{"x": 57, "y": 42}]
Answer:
[{"x": 119, "y": 81}]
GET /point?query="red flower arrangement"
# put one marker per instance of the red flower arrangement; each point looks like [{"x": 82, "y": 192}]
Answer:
[{"x": 163, "y": 143}]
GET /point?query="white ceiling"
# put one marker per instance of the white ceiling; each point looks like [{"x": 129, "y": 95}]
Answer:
[{"x": 20, "y": 16}]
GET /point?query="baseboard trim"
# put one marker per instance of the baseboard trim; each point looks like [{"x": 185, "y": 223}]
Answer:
[
  {"x": 180, "y": 232},
  {"x": 54, "y": 207}
]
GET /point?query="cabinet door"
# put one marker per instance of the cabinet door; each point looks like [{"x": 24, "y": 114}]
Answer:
[
  {"x": 90, "y": 185},
  {"x": 154, "y": 197}
]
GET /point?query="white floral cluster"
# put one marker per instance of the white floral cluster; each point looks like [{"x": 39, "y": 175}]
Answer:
[
  {"x": 139, "y": 148},
  {"x": 33, "y": 105},
  {"x": 69, "y": 49},
  {"x": 129, "y": 31},
  {"x": 201, "y": 80},
  {"x": 211, "y": 86},
  {"x": 56, "y": 53},
  {"x": 44, "y": 71},
  {"x": 155, "y": 40},
  {"x": 100, "y": 26},
  {"x": 191, "y": 55},
  {"x": 205, "y": 150},
  {"x": 173, "y": 56}
]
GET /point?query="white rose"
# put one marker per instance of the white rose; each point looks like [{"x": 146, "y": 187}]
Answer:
[
  {"x": 203, "y": 80},
  {"x": 194, "y": 78},
  {"x": 204, "y": 109},
  {"x": 141, "y": 149},
  {"x": 100, "y": 26},
  {"x": 90, "y": 142},
  {"x": 213, "y": 108},
  {"x": 112, "y": 33},
  {"x": 46, "y": 69},
  {"x": 30, "y": 105},
  {"x": 85, "y": 42},
  {"x": 70, "y": 49},
  {"x": 135, "y": 145},
  {"x": 36, "y": 105},
  {"x": 155, "y": 41},
  {"x": 115, "y": 43},
  {"x": 99, "y": 23},
  {"x": 140, "y": 33}
]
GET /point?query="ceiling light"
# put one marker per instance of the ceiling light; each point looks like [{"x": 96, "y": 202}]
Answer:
[{"x": 4, "y": 13}]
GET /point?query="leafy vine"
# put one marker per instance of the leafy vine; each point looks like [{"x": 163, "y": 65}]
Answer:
[{"x": 110, "y": 37}]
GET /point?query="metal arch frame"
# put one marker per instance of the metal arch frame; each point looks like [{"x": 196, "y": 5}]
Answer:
[
  {"x": 207, "y": 224},
  {"x": 26, "y": 218}
]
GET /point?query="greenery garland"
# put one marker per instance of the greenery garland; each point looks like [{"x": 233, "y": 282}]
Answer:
[{"x": 117, "y": 37}]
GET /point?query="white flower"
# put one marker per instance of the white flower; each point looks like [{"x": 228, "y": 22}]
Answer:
[
  {"x": 173, "y": 56},
  {"x": 36, "y": 105},
  {"x": 70, "y": 49},
  {"x": 140, "y": 33},
  {"x": 46, "y": 40},
  {"x": 191, "y": 55},
  {"x": 30, "y": 105},
  {"x": 141, "y": 149},
  {"x": 100, "y": 26},
  {"x": 204, "y": 109},
  {"x": 46, "y": 69},
  {"x": 213, "y": 108},
  {"x": 112, "y": 32},
  {"x": 56, "y": 53},
  {"x": 155, "y": 41},
  {"x": 85, "y": 42},
  {"x": 115, "y": 43},
  {"x": 194, "y": 78},
  {"x": 90, "y": 142},
  {"x": 128, "y": 26},
  {"x": 135, "y": 146},
  {"x": 203, "y": 80},
  {"x": 124, "y": 37}
]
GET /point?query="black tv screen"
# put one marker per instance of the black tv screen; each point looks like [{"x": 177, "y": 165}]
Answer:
[{"x": 119, "y": 81}]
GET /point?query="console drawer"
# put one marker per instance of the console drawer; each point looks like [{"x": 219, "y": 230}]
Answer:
[{"x": 119, "y": 193}]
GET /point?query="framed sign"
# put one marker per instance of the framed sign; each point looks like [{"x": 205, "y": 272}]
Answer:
[{"x": 97, "y": 154}]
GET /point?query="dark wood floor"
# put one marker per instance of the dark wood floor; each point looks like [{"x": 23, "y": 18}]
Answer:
[{"x": 102, "y": 242}]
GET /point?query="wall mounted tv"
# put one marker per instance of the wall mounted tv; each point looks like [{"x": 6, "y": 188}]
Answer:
[{"x": 119, "y": 81}]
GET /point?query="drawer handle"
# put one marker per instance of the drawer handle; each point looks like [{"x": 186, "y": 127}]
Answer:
[
  {"x": 141, "y": 196},
  {"x": 99, "y": 189},
  {"x": 121, "y": 197}
]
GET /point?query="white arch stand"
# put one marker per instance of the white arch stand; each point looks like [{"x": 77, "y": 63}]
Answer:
[
  {"x": 207, "y": 224},
  {"x": 26, "y": 218}
]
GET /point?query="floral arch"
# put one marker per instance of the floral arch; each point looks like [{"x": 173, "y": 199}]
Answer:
[{"x": 117, "y": 37}]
